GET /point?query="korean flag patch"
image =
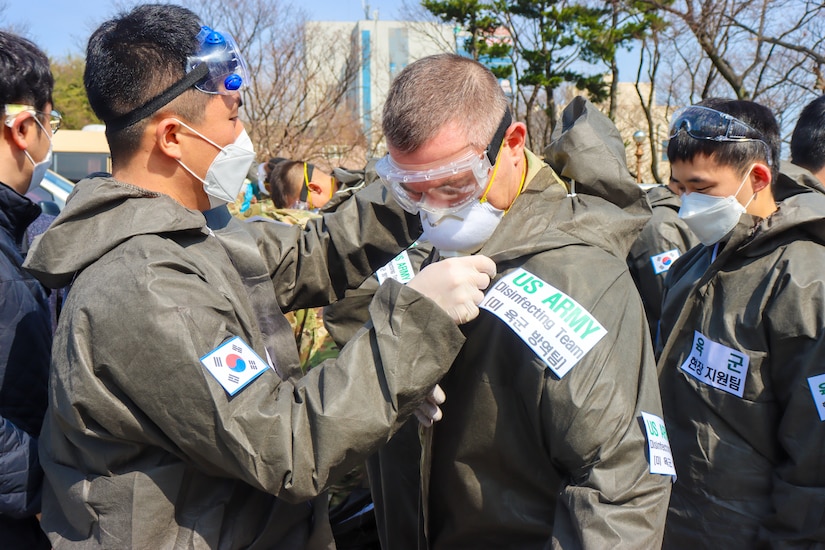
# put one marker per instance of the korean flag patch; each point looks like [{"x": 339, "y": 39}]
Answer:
[
  {"x": 662, "y": 262},
  {"x": 234, "y": 365}
]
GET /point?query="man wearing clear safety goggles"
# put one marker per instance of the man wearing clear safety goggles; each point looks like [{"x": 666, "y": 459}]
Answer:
[
  {"x": 180, "y": 415},
  {"x": 741, "y": 357},
  {"x": 458, "y": 159},
  {"x": 462, "y": 195}
]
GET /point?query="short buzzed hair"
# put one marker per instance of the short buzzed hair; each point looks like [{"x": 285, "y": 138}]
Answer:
[
  {"x": 808, "y": 140},
  {"x": 439, "y": 89},
  {"x": 134, "y": 57}
]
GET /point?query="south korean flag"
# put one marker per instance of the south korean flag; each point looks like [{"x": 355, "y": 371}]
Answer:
[
  {"x": 662, "y": 262},
  {"x": 234, "y": 365}
]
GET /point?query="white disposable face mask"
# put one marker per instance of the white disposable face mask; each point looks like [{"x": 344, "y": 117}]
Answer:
[
  {"x": 464, "y": 231},
  {"x": 712, "y": 218},
  {"x": 227, "y": 173},
  {"x": 40, "y": 168}
]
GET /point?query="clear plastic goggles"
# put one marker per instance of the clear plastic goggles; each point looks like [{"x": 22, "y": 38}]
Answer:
[
  {"x": 437, "y": 188},
  {"x": 227, "y": 67},
  {"x": 709, "y": 124}
]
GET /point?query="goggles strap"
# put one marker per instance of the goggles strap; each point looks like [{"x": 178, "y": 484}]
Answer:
[
  {"x": 153, "y": 105},
  {"x": 498, "y": 137},
  {"x": 497, "y": 144},
  {"x": 483, "y": 197},
  {"x": 305, "y": 195}
]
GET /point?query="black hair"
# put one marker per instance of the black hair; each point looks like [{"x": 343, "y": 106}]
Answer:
[
  {"x": 285, "y": 182},
  {"x": 808, "y": 139},
  {"x": 738, "y": 154},
  {"x": 27, "y": 78},
  {"x": 134, "y": 57}
]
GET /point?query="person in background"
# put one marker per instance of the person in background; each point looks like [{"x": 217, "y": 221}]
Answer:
[
  {"x": 296, "y": 184},
  {"x": 742, "y": 367},
  {"x": 808, "y": 139},
  {"x": 664, "y": 238},
  {"x": 544, "y": 439},
  {"x": 178, "y": 413},
  {"x": 25, "y": 318}
]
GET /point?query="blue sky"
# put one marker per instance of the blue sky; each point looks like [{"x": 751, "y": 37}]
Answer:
[{"x": 61, "y": 27}]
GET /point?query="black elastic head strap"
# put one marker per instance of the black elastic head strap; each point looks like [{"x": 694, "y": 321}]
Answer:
[
  {"x": 308, "y": 178},
  {"x": 153, "y": 105},
  {"x": 498, "y": 137}
]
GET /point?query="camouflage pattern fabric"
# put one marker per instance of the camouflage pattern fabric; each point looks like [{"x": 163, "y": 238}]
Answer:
[{"x": 313, "y": 341}]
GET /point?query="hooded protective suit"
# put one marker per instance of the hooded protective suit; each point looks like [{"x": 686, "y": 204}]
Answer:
[
  {"x": 523, "y": 458},
  {"x": 747, "y": 426},
  {"x": 664, "y": 238},
  {"x": 142, "y": 446}
]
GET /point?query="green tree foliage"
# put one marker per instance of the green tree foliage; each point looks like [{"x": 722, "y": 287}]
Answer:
[
  {"x": 564, "y": 29},
  {"x": 481, "y": 21},
  {"x": 70, "y": 95}
]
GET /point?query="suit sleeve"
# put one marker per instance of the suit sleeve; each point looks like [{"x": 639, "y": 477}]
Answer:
[
  {"x": 288, "y": 439},
  {"x": 315, "y": 265},
  {"x": 797, "y": 328}
]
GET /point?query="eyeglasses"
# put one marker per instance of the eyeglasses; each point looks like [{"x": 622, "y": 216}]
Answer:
[
  {"x": 13, "y": 110},
  {"x": 709, "y": 124},
  {"x": 226, "y": 66}
]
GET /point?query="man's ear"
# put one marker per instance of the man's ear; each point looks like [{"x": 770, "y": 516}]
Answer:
[
  {"x": 515, "y": 138},
  {"x": 315, "y": 188},
  {"x": 760, "y": 177},
  {"x": 166, "y": 137},
  {"x": 18, "y": 130}
]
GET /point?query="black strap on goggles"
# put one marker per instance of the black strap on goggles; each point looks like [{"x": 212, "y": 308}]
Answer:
[
  {"x": 498, "y": 137},
  {"x": 305, "y": 188},
  {"x": 153, "y": 105}
]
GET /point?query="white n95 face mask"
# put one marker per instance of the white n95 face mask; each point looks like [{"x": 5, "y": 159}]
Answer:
[
  {"x": 227, "y": 173},
  {"x": 462, "y": 232},
  {"x": 712, "y": 218},
  {"x": 40, "y": 168}
]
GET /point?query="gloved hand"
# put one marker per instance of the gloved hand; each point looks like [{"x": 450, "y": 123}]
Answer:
[
  {"x": 428, "y": 412},
  {"x": 456, "y": 284}
]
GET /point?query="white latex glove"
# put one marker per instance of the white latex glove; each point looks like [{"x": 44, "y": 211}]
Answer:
[
  {"x": 456, "y": 284},
  {"x": 428, "y": 412}
]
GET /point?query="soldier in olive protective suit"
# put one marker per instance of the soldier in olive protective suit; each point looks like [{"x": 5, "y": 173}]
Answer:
[
  {"x": 743, "y": 328},
  {"x": 178, "y": 415},
  {"x": 551, "y": 432}
]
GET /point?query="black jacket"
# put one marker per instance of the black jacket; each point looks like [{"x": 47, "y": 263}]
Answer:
[{"x": 25, "y": 348}]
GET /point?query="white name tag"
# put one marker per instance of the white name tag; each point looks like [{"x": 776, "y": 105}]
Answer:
[
  {"x": 661, "y": 461},
  {"x": 234, "y": 365},
  {"x": 717, "y": 365},
  {"x": 817, "y": 384},
  {"x": 399, "y": 268},
  {"x": 551, "y": 323},
  {"x": 662, "y": 262}
]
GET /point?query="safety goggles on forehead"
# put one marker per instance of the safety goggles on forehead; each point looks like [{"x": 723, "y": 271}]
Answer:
[
  {"x": 226, "y": 67},
  {"x": 12, "y": 110},
  {"x": 709, "y": 124},
  {"x": 217, "y": 68},
  {"x": 444, "y": 186}
]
